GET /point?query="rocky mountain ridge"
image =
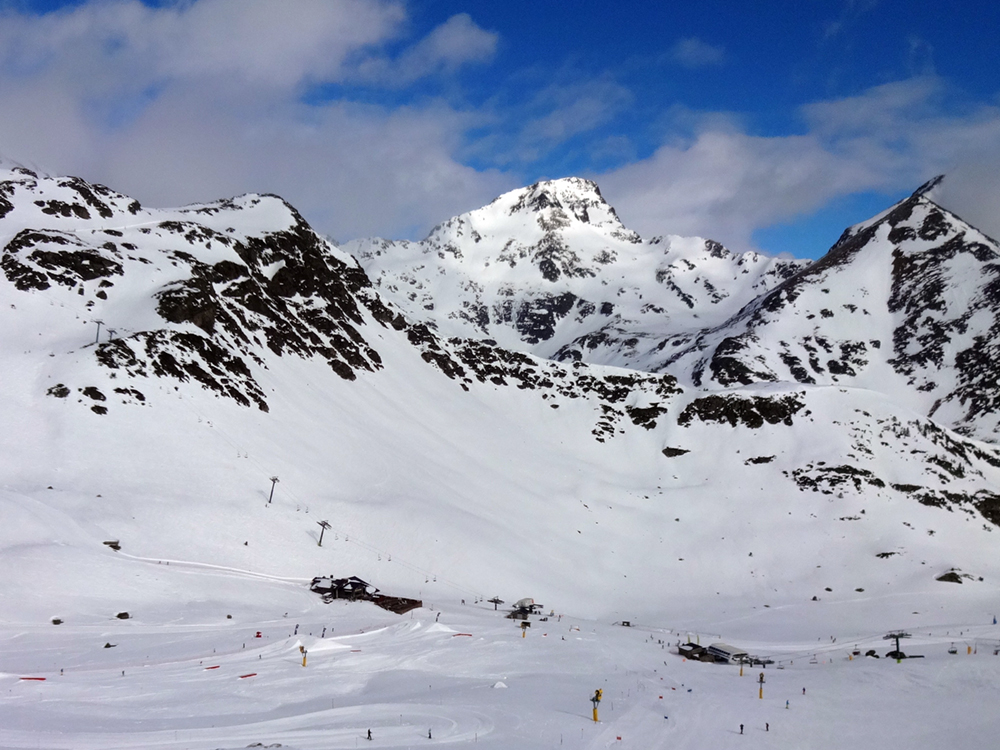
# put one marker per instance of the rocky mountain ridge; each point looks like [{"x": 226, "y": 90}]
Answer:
[
  {"x": 218, "y": 288},
  {"x": 906, "y": 303}
]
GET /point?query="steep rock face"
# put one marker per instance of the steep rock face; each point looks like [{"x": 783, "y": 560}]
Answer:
[
  {"x": 907, "y": 304},
  {"x": 551, "y": 270}
]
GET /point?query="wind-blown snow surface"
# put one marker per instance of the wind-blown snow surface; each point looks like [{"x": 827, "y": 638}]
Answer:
[{"x": 246, "y": 347}]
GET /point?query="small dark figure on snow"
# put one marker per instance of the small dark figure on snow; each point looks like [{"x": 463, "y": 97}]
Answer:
[
  {"x": 803, "y": 691},
  {"x": 369, "y": 734},
  {"x": 767, "y": 727},
  {"x": 429, "y": 734},
  {"x": 741, "y": 729}
]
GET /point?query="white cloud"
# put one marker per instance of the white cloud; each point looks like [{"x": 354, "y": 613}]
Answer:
[
  {"x": 566, "y": 110},
  {"x": 202, "y": 99},
  {"x": 250, "y": 42},
  {"x": 725, "y": 183},
  {"x": 456, "y": 42},
  {"x": 352, "y": 170},
  {"x": 879, "y": 110},
  {"x": 529, "y": 131},
  {"x": 694, "y": 53}
]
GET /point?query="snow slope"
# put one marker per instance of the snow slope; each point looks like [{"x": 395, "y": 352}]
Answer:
[{"x": 246, "y": 347}]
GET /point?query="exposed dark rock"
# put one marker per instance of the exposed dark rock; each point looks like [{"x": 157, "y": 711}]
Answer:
[
  {"x": 537, "y": 317},
  {"x": 729, "y": 368},
  {"x": 63, "y": 209},
  {"x": 89, "y": 193},
  {"x": 645, "y": 417},
  {"x": 132, "y": 392},
  {"x": 191, "y": 301},
  {"x": 34, "y": 258},
  {"x": 826, "y": 479},
  {"x": 750, "y": 411}
]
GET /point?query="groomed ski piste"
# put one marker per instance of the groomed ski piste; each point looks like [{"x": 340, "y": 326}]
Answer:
[{"x": 463, "y": 675}]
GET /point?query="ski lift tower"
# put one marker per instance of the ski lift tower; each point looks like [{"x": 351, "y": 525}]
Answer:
[
  {"x": 895, "y": 637},
  {"x": 323, "y": 526}
]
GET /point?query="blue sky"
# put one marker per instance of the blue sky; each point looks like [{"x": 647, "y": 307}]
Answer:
[{"x": 768, "y": 125}]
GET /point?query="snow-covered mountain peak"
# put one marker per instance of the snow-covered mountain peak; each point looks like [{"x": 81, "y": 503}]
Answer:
[
  {"x": 550, "y": 269},
  {"x": 555, "y": 201},
  {"x": 544, "y": 218},
  {"x": 921, "y": 201},
  {"x": 55, "y": 202},
  {"x": 29, "y": 199},
  {"x": 905, "y": 303},
  {"x": 928, "y": 187}
]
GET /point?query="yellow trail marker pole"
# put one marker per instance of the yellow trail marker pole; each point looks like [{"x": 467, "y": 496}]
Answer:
[
  {"x": 304, "y": 658},
  {"x": 595, "y": 714},
  {"x": 760, "y": 693}
]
